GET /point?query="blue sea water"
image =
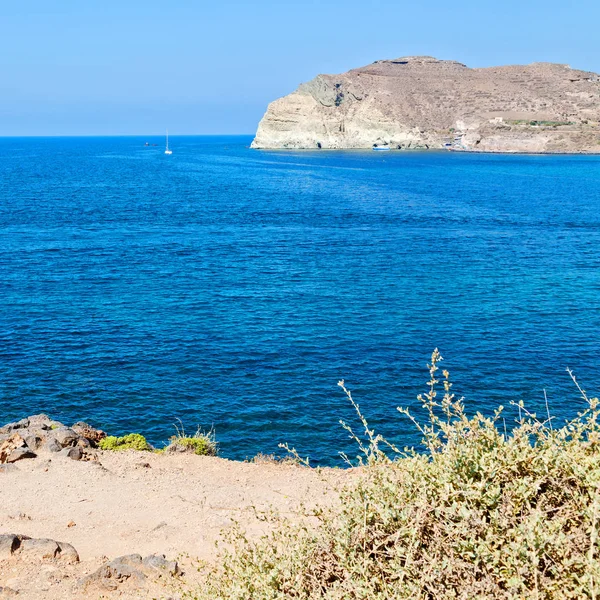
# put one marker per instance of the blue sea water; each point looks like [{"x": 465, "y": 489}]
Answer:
[{"x": 233, "y": 288}]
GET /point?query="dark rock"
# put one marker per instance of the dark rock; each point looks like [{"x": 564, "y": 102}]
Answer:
[
  {"x": 19, "y": 454},
  {"x": 32, "y": 440},
  {"x": 67, "y": 553},
  {"x": 9, "y": 543},
  {"x": 131, "y": 560},
  {"x": 64, "y": 436},
  {"x": 117, "y": 571},
  {"x": 52, "y": 445},
  {"x": 89, "y": 433},
  {"x": 35, "y": 550},
  {"x": 10, "y": 427},
  {"x": 43, "y": 422},
  {"x": 130, "y": 568},
  {"x": 7, "y": 447},
  {"x": 74, "y": 453},
  {"x": 159, "y": 562},
  {"x": 40, "y": 433},
  {"x": 39, "y": 549},
  {"x": 6, "y": 592}
]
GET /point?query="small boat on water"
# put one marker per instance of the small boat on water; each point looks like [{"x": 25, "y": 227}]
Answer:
[
  {"x": 381, "y": 148},
  {"x": 167, "y": 151}
]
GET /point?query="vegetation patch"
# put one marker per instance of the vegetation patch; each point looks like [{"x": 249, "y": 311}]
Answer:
[
  {"x": 132, "y": 441},
  {"x": 201, "y": 444},
  {"x": 481, "y": 511},
  {"x": 541, "y": 123},
  {"x": 273, "y": 459}
]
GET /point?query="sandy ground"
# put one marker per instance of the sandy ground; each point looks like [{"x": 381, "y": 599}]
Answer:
[{"x": 136, "y": 502}]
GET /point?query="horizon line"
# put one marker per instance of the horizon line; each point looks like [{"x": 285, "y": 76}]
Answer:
[{"x": 107, "y": 135}]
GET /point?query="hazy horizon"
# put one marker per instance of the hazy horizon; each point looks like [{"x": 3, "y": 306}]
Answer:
[
  {"x": 131, "y": 135},
  {"x": 203, "y": 69}
]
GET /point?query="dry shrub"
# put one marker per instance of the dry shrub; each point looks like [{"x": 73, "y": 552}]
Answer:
[
  {"x": 273, "y": 459},
  {"x": 479, "y": 514},
  {"x": 201, "y": 443}
]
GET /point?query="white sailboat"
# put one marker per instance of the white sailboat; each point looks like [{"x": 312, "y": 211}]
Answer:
[{"x": 167, "y": 151}]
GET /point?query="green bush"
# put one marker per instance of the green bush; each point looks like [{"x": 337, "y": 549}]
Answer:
[
  {"x": 201, "y": 444},
  {"x": 479, "y": 513},
  {"x": 132, "y": 441}
]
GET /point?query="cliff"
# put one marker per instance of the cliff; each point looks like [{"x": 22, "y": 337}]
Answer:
[{"x": 422, "y": 102}]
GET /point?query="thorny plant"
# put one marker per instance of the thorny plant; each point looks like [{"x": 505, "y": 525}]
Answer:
[{"x": 479, "y": 513}]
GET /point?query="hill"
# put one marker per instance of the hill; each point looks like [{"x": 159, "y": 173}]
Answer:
[{"x": 420, "y": 102}]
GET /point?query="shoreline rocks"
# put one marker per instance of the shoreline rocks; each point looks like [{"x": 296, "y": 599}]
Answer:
[{"x": 39, "y": 434}]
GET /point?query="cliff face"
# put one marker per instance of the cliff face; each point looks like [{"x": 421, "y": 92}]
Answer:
[{"x": 422, "y": 102}]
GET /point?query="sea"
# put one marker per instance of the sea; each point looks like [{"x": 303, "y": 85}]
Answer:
[{"x": 231, "y": 289}]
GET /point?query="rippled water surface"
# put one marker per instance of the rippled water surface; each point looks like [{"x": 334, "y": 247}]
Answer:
[{"x": 233, "y": 288}]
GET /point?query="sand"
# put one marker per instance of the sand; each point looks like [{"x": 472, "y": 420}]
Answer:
[{"x": 143, "y": 503}]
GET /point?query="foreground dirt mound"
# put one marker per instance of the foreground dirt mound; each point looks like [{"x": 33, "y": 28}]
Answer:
[
  {"x": 422, "y": 102},
  {"x": 148, "y": 509}
]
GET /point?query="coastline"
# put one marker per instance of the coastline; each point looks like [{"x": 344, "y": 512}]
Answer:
[
  {"x": 424, "y": 102},
  {"x": 430, "y": 151}
]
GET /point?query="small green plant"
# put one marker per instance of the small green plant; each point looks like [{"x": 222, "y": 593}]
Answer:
[
  {"x": 201, "y": 443},
  {"x": 132, "y": 441}
]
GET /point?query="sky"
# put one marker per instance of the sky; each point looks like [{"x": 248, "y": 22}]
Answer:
[{"x": 132, "y": 67}]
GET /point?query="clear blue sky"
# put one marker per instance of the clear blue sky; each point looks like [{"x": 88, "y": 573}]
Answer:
[{"x": 74, "y": 67}]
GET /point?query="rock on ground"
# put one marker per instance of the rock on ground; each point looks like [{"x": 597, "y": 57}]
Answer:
[
  {"x": 22, "y": 547},
  {"x": 44, "y": 568},
  {"x": 132, "y": 569}
]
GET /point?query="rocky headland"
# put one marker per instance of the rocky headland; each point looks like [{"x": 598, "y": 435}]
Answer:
[{"x": 419, "y": 102}]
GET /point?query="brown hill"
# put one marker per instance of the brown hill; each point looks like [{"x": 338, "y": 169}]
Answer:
[{"x": 422, "y": 102}]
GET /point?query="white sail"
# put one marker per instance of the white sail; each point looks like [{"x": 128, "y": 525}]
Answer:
[{"x": 167, "y": 151}]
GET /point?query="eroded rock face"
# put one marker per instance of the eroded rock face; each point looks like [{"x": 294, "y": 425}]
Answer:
[
  {"x": 19, "y": 454},
  {"x": 422, "y": 102},
  {"x": 12, "y": 448}
]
